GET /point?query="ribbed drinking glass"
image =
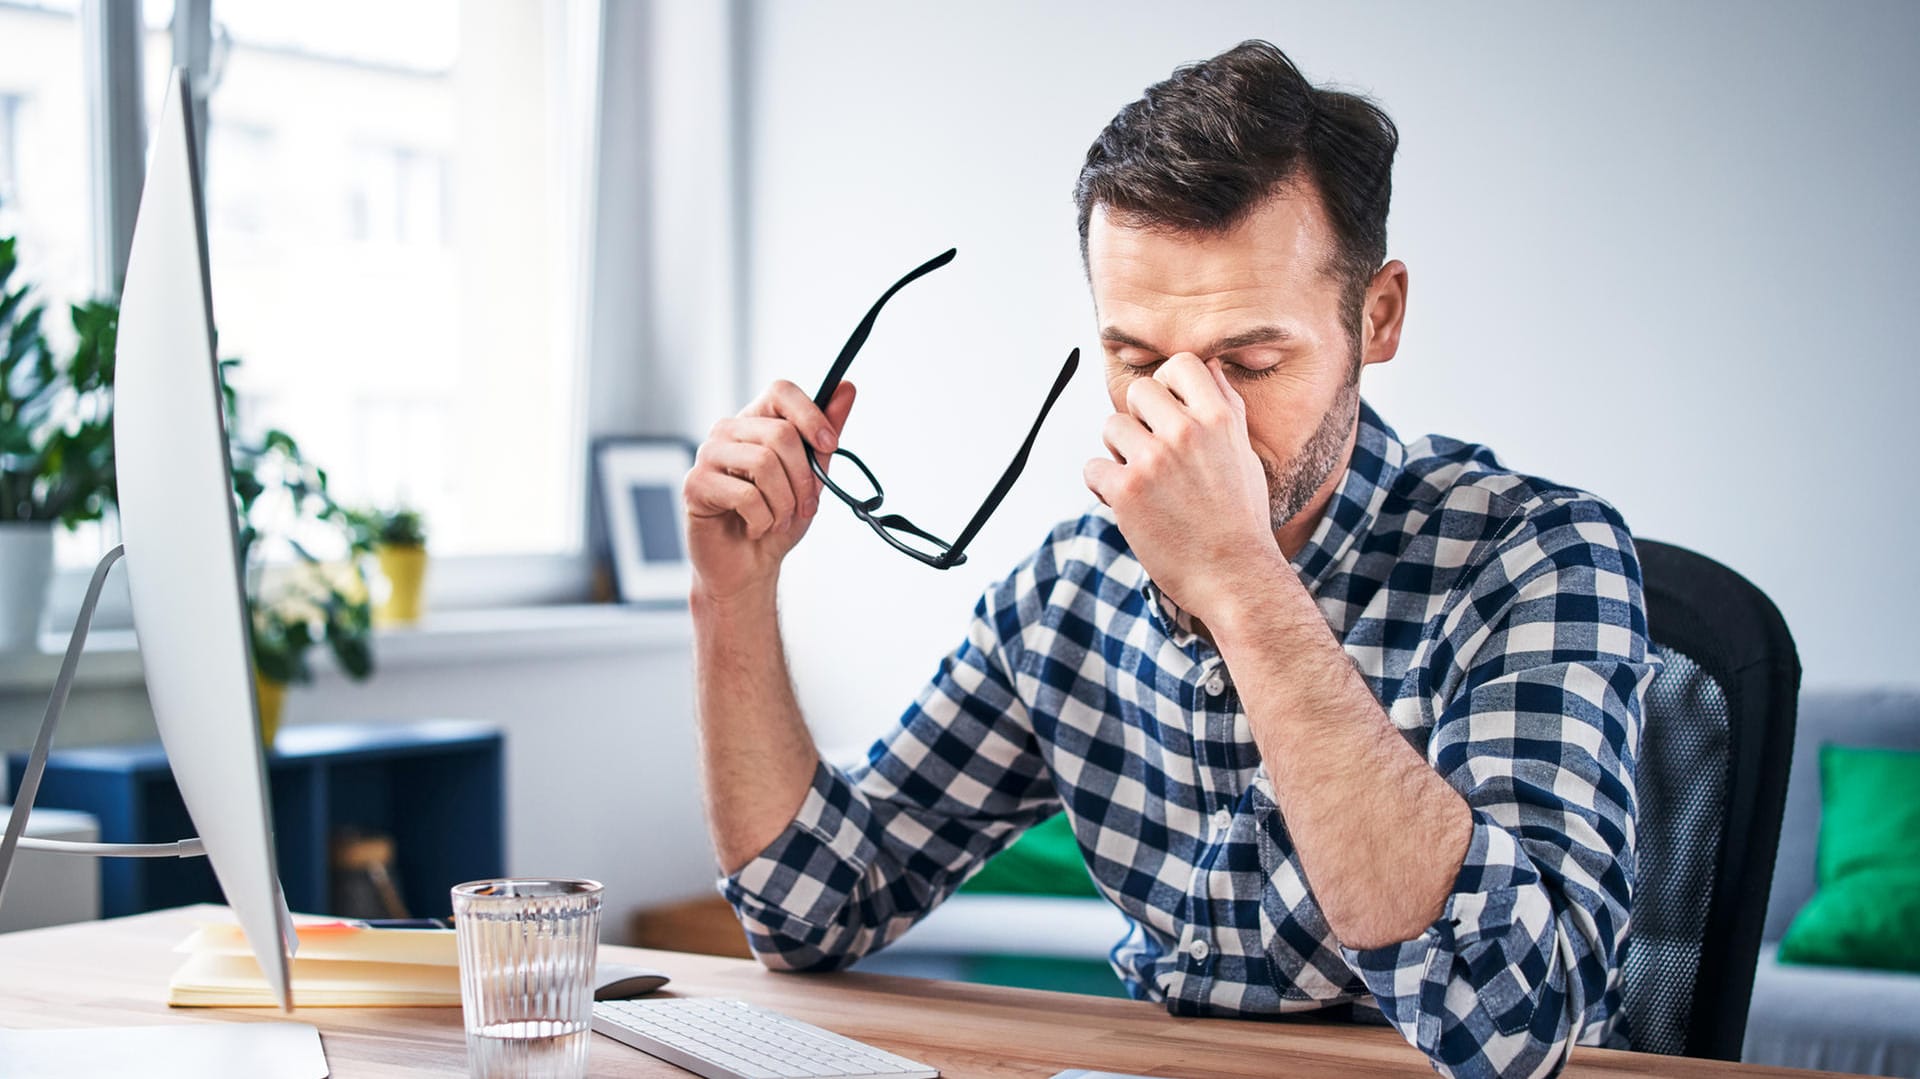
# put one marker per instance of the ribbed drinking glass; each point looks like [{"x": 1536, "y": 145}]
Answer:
[{"x": 527, "y": 950}]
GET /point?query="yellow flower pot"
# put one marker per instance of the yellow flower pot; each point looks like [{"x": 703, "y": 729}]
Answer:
[
  {"x": 272, "y": 696},
  {"x": 405, "y": 569}
]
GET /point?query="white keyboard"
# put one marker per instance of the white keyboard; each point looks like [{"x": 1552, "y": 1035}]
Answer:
[{"x": 731, "y": 1039}]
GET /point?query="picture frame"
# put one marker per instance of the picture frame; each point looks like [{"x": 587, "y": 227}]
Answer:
[{"x": 639, "y": 517}]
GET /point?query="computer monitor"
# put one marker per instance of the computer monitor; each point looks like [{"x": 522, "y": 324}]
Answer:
[{"x": 178, "y": 526}]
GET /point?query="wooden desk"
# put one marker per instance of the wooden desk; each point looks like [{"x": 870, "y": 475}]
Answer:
[{"x": 114, "y": 973}]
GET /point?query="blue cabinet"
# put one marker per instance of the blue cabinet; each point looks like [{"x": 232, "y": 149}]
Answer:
[{"x": 435, "y": 786}]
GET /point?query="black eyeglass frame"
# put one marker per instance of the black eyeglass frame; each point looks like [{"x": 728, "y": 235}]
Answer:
[{"x": 949, "y": 554}]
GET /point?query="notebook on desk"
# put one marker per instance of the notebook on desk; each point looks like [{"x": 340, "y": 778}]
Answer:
[
  {"x": 176, "y": 1051},
  {"x": 338, "y": 965}
]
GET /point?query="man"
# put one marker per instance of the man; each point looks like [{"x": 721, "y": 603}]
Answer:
[{"x": 1336, "y": 719}]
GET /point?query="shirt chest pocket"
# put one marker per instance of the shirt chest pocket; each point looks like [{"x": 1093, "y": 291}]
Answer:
[{"x": 1302, "y": 957}]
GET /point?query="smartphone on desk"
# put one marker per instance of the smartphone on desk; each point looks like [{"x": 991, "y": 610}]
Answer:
[{"x": 401, "y": 923}]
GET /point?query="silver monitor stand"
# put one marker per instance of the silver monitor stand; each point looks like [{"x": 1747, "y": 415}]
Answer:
[{"x": 15, "y": 837}]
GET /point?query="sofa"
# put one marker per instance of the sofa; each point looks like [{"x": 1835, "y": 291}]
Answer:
[{"x": 1863, "y": 1021}]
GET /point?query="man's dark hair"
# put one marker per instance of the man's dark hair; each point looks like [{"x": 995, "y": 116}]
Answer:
[{"x": 1202, "y": 149}]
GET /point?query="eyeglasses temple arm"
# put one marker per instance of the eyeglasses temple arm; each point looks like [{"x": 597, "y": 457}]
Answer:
[
  {"x": 860, "y": 332},
  {"x": 1019, "y": 459}
]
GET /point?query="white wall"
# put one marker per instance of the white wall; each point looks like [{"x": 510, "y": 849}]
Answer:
[{"x": 1660, "y": 252}]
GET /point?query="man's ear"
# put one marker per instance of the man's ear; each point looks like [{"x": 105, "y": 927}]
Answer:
[{"x": 1383, "y": 313}]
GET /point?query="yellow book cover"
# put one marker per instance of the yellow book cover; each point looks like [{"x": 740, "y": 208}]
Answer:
[{"x": 338, "y": 965}]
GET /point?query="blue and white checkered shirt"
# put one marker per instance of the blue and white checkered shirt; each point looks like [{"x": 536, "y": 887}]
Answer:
[{"x": 1497, "y": 618}]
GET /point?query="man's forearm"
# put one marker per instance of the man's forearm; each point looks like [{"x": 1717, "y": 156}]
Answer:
[
  {"x": 1381, "y": 836},
  {"x": 757, "y": 758}
]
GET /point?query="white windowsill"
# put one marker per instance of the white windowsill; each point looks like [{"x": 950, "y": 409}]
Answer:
[{"x": 484, "y": 635}]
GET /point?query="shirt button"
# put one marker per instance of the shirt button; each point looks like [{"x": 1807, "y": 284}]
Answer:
[
  {"x": 1222, "y": 820},
  {"x": 1216, "y": 685},
  {"x": 1199, "y": 950}
]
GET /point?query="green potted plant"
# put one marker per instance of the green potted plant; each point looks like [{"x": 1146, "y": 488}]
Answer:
[
  {"x": 310, "y": 600},
  {"x": 398, "y": 537},
  {"x": 305, "y": 604},
  {"x": 56, "y": 443},
  {"x": 56, "y": 466}
]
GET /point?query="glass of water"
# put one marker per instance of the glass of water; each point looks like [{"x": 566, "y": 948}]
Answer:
[{"x": 527, "y": 950}]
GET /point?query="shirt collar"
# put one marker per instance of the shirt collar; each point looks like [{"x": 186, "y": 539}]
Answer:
[{"x": 1378, "y": 455}]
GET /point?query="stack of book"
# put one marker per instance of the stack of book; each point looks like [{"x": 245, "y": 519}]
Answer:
[{"x": 338, "y": 965}]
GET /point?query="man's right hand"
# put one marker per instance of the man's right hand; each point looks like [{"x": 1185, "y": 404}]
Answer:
[{"x": 751, "y": 495}]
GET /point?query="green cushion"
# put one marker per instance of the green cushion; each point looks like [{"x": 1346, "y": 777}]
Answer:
[
  {"x": 1044, "y": 861},
  {"x": 1866, "y": 909},
  {"x": 1089, "y": 977},
  {"x": 1869, "y": 919}
]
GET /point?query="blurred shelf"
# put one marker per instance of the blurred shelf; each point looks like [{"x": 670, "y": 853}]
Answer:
[
  {"x": 487, "y": 635},
  {"x": 435, "y": 786}
]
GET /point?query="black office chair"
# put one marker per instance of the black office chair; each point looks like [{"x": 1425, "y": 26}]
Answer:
[{"x": 1711, "y": 783}]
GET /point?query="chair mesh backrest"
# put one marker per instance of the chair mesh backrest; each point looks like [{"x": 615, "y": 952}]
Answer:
[{"x": 1680, "y": 783}]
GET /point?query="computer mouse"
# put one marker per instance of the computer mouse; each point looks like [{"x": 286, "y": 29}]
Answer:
[{"x": 614, "y": 981}]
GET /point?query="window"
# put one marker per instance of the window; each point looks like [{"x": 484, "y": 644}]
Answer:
[
  {"x": 396, "y": 225},
  {"x": 394, "y": 207},
  {"x": 43, "y": 152},
  {"x": 10, "y": 147},
  {"x": 46, "y": 159},
  {"x": 246, "y": 155},
  {"x": 400, "y": 197},
  {"x": 46, "y": 171}
]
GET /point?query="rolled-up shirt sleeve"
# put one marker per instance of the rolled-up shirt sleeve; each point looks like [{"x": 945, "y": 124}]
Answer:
[
  {"x": 874, "y": 848},
  {"x": 1538, "y": 730}
]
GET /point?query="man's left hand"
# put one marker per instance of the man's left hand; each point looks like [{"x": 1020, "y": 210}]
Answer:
[{"x": 1186, "y": 487}]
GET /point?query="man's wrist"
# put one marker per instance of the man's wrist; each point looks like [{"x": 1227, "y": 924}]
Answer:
[
  {"x": 751, "y": 601},
  {"x": 1250, "y": 596},
  {"x": 1262, "y": 601}
]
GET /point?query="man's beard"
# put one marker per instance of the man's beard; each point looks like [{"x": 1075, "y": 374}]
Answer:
[{"x": 1291, "y": 490}]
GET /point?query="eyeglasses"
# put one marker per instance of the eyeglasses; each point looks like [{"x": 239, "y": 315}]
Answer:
[{"x": 903, "y": 534}]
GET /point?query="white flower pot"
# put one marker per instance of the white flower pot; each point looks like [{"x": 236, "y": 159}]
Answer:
[{"x": 26, "y": 565}]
